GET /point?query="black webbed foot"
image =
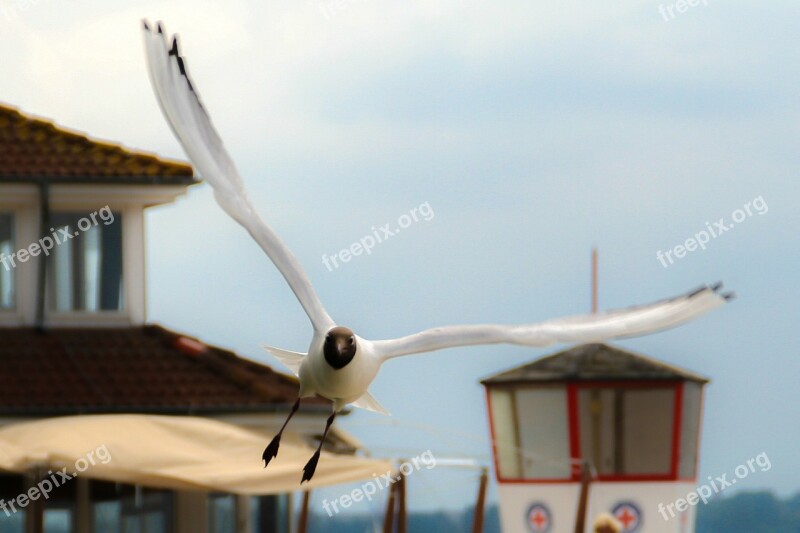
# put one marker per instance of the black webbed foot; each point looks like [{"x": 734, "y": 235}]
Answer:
[
  {"x": 271, "y": 451},
  {"x": 310, "y": 468}
]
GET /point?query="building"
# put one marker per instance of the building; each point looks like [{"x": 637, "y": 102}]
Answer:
[
  {"x": 74, "y": 336},
  {"x": 635, "y": 420}
]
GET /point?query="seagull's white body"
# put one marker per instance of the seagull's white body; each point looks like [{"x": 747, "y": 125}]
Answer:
[
  {"x": 349, "y": 384},
  {"x": 343, "y": 386}
]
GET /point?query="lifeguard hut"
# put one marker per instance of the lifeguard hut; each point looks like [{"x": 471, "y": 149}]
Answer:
[{"x": 635, "y": 420}]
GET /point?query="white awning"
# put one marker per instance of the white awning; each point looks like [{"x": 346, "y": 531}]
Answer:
[{"x": 171, "y": 452}]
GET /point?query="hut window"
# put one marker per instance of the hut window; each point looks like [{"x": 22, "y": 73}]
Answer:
[
  {"x": 531, "y": 432},
  {"x": 627, "y": 431}
]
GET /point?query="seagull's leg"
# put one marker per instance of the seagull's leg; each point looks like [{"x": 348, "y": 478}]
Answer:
[
  {"x": 311, "y": 465},
  {"x": 271, "y": 450}
]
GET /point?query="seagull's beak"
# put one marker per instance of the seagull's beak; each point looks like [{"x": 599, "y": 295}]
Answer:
[{"x": 343, "y": 346}]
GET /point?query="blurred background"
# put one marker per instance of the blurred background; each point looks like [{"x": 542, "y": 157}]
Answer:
[{"x": 533, "y": 132}]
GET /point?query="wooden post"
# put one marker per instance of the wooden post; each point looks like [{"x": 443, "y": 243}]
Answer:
[
  {"x": 402, "y": 518},
  {"x": 83, "y": 505},
  {"x": 477, "y": 517},
  {"x": 388, "y": 518},
  {"x": 302, "y": 525},
  {"x": 243, "y": 523},
  {"x": 583, "y": 499},
  {"x": 190, "y": 509},
  {"x": 34, "y": 512}
]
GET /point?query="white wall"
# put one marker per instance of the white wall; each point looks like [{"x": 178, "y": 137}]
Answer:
[{"x": 562, "y": 500}]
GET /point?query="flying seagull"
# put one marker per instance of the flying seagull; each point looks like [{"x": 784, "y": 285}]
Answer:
[{"x": 340, "y": 365}]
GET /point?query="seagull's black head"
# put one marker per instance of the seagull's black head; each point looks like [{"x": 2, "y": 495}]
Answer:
[{"x": 340, "y": 347}]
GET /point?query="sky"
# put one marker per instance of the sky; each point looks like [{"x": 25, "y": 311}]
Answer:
[{"x": 532, "y": 131}]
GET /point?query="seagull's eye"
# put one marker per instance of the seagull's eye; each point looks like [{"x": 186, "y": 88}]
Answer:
[{"x": 352, "y": 339}]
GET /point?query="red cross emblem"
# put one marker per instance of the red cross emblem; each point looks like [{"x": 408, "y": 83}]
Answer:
[
  {"x": 628, "y": 515},
  {"x": 539, "y": 520}
]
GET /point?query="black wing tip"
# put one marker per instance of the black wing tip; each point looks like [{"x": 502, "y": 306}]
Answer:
[
  {"x": 717, "y": 287},
  {"x": 145, "y": 24},
  {"x": 727, "y": 296},
  {"x": 714, "y": 287},
  {"x": 698, "y": 290},
  {"x": 175, "y": 51}
]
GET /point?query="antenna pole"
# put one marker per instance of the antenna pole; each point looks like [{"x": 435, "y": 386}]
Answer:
[{"x": 594, "y": 280}]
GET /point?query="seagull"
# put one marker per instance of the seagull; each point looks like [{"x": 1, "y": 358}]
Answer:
[{"x": 340, "y": 365}]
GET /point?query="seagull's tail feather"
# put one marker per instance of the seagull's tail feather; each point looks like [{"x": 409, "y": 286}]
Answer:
[
  {"x": 291, "y": 360},
  {"x": 368, "y": 402}
]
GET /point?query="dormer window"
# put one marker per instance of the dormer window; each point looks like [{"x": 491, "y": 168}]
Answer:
[
  {"x": 72, "y": 211},
  {"x": 86, "y": 263},
  {"x": 6, "y": 269}
]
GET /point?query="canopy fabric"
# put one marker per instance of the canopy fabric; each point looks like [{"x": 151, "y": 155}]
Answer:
[{"x": 179, "y": 453}]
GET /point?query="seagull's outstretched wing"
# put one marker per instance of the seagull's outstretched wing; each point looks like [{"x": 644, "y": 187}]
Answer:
[
  {"x": 192, "y": 126},
  {"x": 629, "y": 322}
]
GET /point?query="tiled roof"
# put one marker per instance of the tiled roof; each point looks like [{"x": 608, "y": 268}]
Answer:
[
  {"x": 137, "y": 369},
  {"x": 33, "y": 148},
  {"x": 593, "y": 362}
]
